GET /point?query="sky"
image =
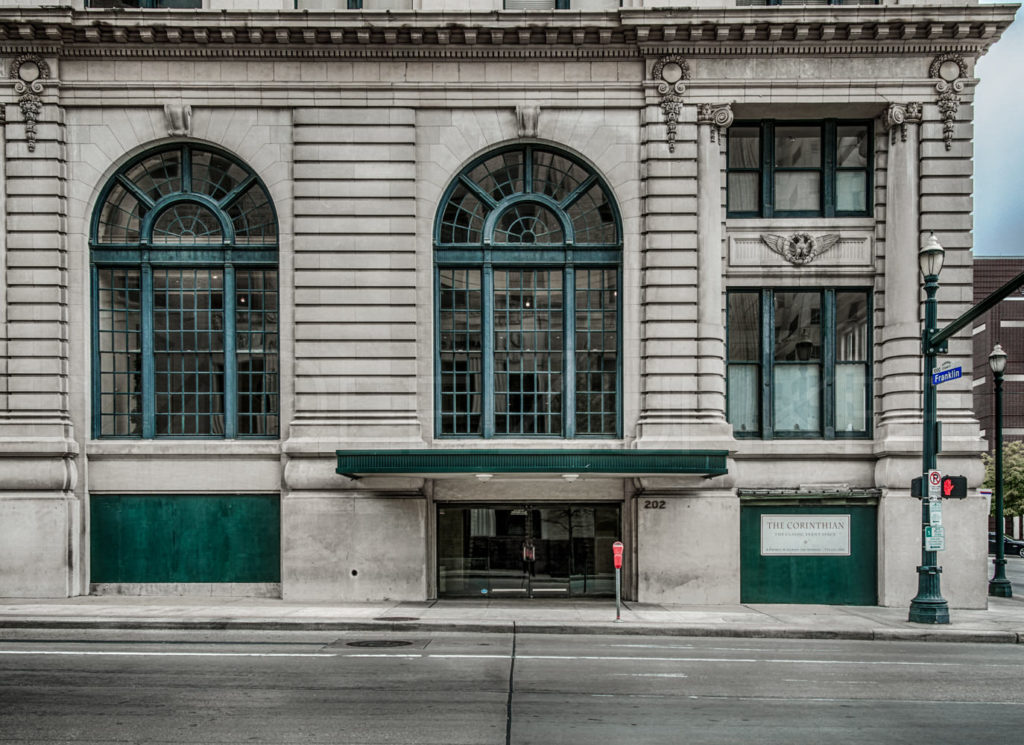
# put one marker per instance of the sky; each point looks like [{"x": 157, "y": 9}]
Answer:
[{"x": 999, "y": 146}]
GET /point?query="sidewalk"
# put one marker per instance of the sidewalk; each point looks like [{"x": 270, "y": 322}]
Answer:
[{"x": 1003, "y": 622}]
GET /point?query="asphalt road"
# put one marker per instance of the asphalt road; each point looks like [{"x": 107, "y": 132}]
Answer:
[
  {"x": 1014, "y": 572},
  {"x": 304, "y": 687}
]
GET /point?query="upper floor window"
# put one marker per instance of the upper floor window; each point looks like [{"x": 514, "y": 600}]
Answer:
[
  {"x": 799, "y": 363},
  {"x": 528, "y": 270},
  {"x": 536, "y": 4},
  {"x": 192, "y": 4},
  {"x": 184, "y": 299},
  {"x": 743, "y": 3},
  {"x": 799, "y": 169}
]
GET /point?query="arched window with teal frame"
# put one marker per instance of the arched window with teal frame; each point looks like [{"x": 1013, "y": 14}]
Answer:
[
  {"x": 185, "y": 317},
  {"x": 527, "y": 312}
]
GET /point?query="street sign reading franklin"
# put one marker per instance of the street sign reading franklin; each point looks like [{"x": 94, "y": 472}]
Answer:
[{"x": 944, "y": 376}]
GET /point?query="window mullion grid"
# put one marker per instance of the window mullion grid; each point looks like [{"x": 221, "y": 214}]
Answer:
[
  {"x": 569, "y": 351},
  {"x": 767, "y": 168},
  {"x": 148, "y": 362},
  {"x": 487, "y": 347},
  {"x": 186, "y": 169},
  {"x": 230, "y": 355},
  {"x": 767, "y": 366},
  {"x": 97, "y": 378},
  {"x": 828, "y": 155},
  {"x": 828, "y": 361}
]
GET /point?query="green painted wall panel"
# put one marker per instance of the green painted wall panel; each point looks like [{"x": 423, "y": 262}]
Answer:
[
  {"x": 185, "y": 538},
  {"x": 827, "y": 580}
]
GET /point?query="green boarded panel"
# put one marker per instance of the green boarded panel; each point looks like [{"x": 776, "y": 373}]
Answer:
[
  {"x": 826, "y": 580},
  {"x": 187, "y": 538}
]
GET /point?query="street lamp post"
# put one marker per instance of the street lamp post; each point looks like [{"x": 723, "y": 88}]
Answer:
[
  {"x": 999, "y": 585},
  {"x": 928, "y": 606}
]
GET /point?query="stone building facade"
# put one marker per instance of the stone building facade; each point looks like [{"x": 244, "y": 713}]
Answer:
[{"x": 434, "y": 299}]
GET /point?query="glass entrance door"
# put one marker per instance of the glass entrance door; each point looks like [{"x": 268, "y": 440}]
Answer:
[{"x": 524, "y": 550}]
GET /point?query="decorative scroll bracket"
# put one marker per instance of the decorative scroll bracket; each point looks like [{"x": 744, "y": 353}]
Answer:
[
  {"x": 671, "y": 73},
  {"x": 800, "y": 249},
  {"x": 526, "y": 118},
  {"x": 719, "y": 116},
  {"x": 950, "y": 70},
  {"x": 28, "y": 72},
  {"x": 898, "y": 116},
  {"x": 179, "y": 119}
]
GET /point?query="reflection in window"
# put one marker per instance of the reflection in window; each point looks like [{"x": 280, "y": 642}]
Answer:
[
  {"x": 187, "y": 339},
  {"x": 779, "y": 169},
  {"x": 799, "y": 363},
  {"x": 528, "y": 342}
]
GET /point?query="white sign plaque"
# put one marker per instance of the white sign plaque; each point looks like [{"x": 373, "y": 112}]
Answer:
[
  {"x": 805, "y": 535},
  {"x": 934, "y": 538}
]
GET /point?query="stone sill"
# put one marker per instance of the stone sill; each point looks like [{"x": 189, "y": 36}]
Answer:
[{"x": 182, "y": 448}]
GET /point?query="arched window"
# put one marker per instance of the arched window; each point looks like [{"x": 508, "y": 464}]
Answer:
[
  {"x": 184, "y": 299},
  {"x": 528, "y": 256}
]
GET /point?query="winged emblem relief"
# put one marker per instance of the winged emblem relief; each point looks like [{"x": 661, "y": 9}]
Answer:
[{"x": 800, "y": 248}]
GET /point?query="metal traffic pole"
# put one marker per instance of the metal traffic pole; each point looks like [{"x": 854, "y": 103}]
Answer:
[{"x": 617, "y": 553}]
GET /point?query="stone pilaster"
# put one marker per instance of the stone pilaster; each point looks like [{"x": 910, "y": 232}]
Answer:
[
  {"x": 712, "y": 121},
  {"x": 899, "y": 364},
  {"x": 683, "y": 394},
  {"x": 40, "y": 517}
]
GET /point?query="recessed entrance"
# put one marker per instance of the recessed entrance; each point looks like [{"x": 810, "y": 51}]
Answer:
[{"x": 526, "y": 550}]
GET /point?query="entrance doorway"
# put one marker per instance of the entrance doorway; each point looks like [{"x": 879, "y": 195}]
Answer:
[{"x": 526, "y": 550}]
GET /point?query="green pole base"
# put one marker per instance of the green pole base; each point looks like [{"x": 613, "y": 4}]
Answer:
[
  {"x": 1000, "y": 588},
  {"x": 925, "y": 611}
]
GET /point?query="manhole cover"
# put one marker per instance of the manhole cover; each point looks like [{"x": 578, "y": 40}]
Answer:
[
  {"x": 396, "y": 618},
  {"x": 378, "y": 643}
]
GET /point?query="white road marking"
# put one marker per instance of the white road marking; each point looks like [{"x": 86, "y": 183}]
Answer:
[
  {"x": 505, "y": 656},
  {"x": 95, "y": 653},
  {"x": 650, "y": 675}
]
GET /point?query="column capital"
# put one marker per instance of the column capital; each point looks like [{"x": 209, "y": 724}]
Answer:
[
  {"x": 718, "y": 117},
  {"x": 898, "y": 115}
]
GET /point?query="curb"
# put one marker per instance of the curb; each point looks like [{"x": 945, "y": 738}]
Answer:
[{"x": 509, "y": 627}]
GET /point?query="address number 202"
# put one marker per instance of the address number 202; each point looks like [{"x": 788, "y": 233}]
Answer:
[{"x": 654, "y": 504}]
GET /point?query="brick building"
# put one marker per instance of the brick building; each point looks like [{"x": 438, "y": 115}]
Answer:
[{"x": 1004, "y": 325}]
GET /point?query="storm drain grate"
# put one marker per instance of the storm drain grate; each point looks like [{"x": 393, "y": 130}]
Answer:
[
  {"x": 396, "y": 618},
  {"x": 378, "y": 643}
]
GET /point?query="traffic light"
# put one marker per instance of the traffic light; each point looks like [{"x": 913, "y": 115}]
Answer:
[{"x": 951, "y": 487}]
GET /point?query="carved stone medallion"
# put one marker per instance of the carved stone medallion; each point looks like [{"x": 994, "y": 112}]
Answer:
[
  {"x": 950, "y": 70},
  {"x": 671, "y": 73},
  {"x": 28, "y": 72}
]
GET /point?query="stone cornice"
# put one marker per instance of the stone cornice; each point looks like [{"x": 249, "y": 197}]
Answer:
[{"x": 625, "y": 33}]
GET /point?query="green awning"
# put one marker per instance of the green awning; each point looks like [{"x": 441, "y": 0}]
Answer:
[{"x": 355, "y": 463}]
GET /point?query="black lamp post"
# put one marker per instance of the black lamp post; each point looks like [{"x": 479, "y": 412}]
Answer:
[
  {"x": 999, "y": 586},
  {"x": 928, "y": 606}
]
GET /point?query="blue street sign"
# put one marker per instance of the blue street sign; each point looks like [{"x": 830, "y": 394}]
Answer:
[{"x": 944, "y": 376}]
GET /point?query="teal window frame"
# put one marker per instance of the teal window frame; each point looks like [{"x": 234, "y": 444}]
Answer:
[
  {"x": 236, "y": 253},
  {"x": 765, "y": 364},
  {"x": 479, "y": 252},
  {"x": 827, "y": 169}
]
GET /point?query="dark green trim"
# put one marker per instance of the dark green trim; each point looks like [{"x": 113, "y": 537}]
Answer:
[
  {"x": 185, "y": 538},
  {"x": 831, "y": 580},
  {"x": 354, "y": 463}
]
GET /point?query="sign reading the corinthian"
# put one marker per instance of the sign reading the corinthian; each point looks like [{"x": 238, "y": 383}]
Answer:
[{"x": 805, "y": 535}]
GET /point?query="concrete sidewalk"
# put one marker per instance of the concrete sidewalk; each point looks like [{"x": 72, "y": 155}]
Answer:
[{"x": 1002, "y": 622}]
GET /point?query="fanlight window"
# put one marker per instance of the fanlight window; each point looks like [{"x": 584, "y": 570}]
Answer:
[
  {"x": 185, "y": 324},
  {"x": 528, "y": 257}
]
